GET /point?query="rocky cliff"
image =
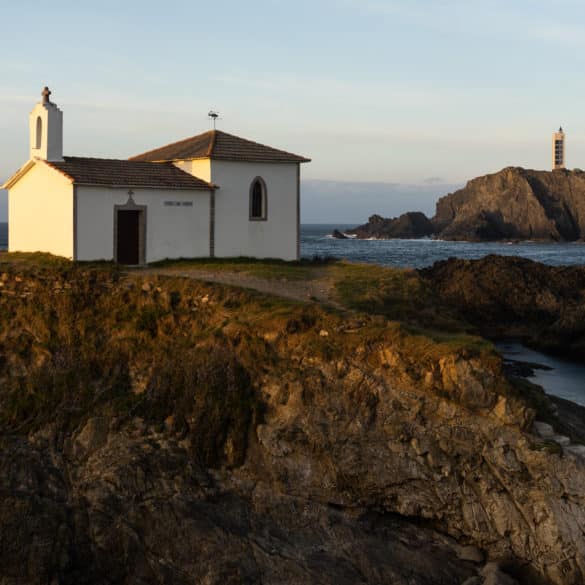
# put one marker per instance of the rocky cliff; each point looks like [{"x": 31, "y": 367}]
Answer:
[
  {"x": 513, "y": 204},
  {"x": 162, "y": 430}
]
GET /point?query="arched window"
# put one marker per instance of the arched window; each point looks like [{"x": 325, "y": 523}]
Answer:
[
  {"x": 258, "y": 199},
  {"x": 39, "y": 133}
]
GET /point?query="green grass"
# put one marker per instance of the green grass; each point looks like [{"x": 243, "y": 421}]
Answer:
[
  {"x": 399, "y": 295},
  {"x": 33, "y": 259},
  {"x": 369, "y": 288},
  {"x": 46, "y": 261},
  {"x": 305, "y": 269},
  {"x": 395, "y": 294},
  {"x": 453, "y": 340}
]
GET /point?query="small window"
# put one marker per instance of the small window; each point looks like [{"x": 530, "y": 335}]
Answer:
[
  {"x": 39, "y": 133},
  {"x": 258, "y": 199}
]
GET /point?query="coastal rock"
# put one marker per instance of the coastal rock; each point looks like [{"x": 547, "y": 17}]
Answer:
[
  {"x": 410, "y": 225},
  {"x": 515, "y": 204},
  {"x": 338, "y": 235},
  {"x": 516, "y": 297},
  {"x": 380, "y": 456}
]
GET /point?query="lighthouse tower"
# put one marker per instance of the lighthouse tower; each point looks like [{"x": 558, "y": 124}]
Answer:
[
  {"x": 558, "y": 149},
  {"x": 46, "y": 129}
]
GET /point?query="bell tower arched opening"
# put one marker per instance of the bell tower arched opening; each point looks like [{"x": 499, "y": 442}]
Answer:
[{"x": 39, "y": 133}]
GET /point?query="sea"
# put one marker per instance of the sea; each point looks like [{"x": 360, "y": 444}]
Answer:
[
  {"x": 558, "y": 376},
  {"x": 316, "y": 240},
  {"x": 565, "y": 378}
]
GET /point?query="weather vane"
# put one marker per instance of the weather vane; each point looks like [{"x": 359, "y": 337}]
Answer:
[{"x": 213, "y": 115}]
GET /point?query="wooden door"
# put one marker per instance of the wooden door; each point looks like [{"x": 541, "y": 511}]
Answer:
[{"x": 128, "y": 251}]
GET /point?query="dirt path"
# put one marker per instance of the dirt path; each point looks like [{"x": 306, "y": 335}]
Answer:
[{"x": 316, "y": 289}]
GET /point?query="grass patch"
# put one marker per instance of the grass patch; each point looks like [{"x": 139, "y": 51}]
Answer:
[
  {"x": 304, "y": 269},
  {"x": 399, "y": 295},
  {"x": 391, "y": 292},
  {"x": 454, "y": 341},
  {"x": 33, "y": 259},
  {"x": 27, "y": 261}
]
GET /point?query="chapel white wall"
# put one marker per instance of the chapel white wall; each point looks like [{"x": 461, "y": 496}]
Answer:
[
  {"x": 200, "y": 168},
  {"x": 235, "y": 233},
  {"x": 40, "y": 213},
  {"x": 171, "y": 232}
]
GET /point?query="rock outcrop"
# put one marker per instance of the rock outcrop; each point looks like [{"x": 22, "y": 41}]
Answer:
[
  {"x": 169, "y": 431},
  {"x": 409, "y": 225},
  {"x": 512, "y": 204},
  {"x": 516, "y": 297},
  {"x": 338, "y": 235},
  {"x": 515, "y": 204}
]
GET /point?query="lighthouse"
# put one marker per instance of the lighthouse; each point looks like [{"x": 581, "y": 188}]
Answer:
[{"x": 558, "y": 149}]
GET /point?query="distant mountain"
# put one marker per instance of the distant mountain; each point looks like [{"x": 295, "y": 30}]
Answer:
[{"x": 513, "y": 204}]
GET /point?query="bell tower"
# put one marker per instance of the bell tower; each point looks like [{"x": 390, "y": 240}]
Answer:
[{"x": 46, "y": 129}]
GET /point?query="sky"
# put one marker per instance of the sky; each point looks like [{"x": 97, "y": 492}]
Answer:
[{"x": 396, "y": 102}]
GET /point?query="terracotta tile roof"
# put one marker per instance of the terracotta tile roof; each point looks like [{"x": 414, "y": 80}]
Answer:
[
  {"x": 219, "y": 145},
  {"x": 124, "y": 173}
]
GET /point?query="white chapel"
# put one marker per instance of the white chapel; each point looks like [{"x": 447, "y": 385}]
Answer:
[{"x": 213, "y": 194}]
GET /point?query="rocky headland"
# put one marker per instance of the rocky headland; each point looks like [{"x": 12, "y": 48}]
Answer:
[
  {"x": 512, "y": 204},
  {"x": 158, "y": 429},
  {"x": 414, "y": 224}
]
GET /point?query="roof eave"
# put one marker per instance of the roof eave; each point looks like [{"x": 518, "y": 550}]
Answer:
[
  {"x": 61, "y": 172},
  {"x": 128, "y": 186},
  {"x": 19, "y": 174},
  {"x": 233, "y": 159},
  {"x": 174, "y": 160}
]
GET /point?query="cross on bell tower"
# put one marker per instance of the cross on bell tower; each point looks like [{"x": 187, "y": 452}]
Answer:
[{"x": 46, "y": 93}]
